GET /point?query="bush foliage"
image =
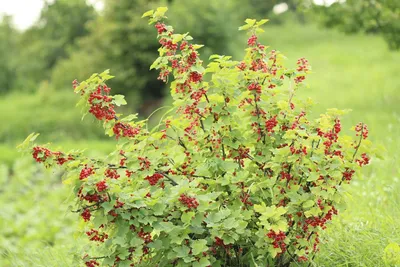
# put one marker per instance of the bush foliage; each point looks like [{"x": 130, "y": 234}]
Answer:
[{"x": 235, "y": 174}]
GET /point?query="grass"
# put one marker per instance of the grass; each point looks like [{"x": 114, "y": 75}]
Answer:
[
  {"x": 49, "y": 112},
  {"x": 356, "y": 72},
  {"x": 34, "y": 214},
  {"x": 37, "y": 227},
  {"x": 50, "y": 257},
  {"x": 54, "y": 116}
]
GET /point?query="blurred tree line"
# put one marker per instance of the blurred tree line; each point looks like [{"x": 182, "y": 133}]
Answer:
[
  {"x": 380, "y": 17},
  {"x": 73, "y": 40},
  {"x": 30, "y": 56}
]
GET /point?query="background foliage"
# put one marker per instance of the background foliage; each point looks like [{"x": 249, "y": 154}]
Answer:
[
  {"x": 357, "y": 71},
  {"x": 60, "y": 24},
  {"x": 381, "y": 17},
  {"x": 8, "y": 41}
]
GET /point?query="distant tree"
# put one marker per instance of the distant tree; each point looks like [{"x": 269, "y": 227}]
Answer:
[
  {"x": 370, "y": 16},
  {"x": 121, "y": 41},
  {"x": 8, "y": 38},
  {"x": 212, "y": 22},
  {"x": 60, "y": 24},
  {"x": 264, "y": 7}
]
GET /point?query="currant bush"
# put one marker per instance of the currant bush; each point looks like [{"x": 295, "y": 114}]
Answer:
[{"x": 235, "y": 173}]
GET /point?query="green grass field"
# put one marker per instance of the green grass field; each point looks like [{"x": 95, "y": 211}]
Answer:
[{"x": 356, "y": 72}]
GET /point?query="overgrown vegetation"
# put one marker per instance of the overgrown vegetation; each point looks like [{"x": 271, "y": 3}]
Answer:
[
  {"x": 358, "y": 66},
  {"x": 381, "y": 17},
  {"x": 236, "y": 174}
]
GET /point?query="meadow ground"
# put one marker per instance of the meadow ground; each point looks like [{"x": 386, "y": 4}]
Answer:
[{"x": 356, "y": 72}]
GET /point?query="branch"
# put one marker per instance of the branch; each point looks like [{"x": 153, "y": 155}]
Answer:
[
  {"x": 168, "y": 178},
  {"x": 98, "y": 258},
  {"x": 258, "y": 118},
  {"x": 359, "y": 142},
  {"x": 181, "y": 143},
  {"x": 208, "y": 101},
  {"x": 86, "y": 207}
]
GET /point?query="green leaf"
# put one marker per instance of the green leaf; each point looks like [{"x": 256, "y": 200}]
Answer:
[
  {"x": 230, "y": 223},
  {"x": 187, "y": 217},
  {"x": 159, "y": 209},
  {"x": 229, "y": 166},
  {"x": 391, "y": 254},
  {"x": 216, "y": 217},
  {"x": 157, "y": 244},
  {"x": 250, "y": 22},
  {"x": 99, "y": 220},
  {"x": 27, "y": 141},
  {"x": 119, "y": 100},
  {"x": 314, "y": 211},
  {"x": 105, "y": 75},
  {"x": 196, "y": 46},
  {"x": 198, "y": 68},
  {"x": 119, "y": 240},
  {"x": 199, "y": 246},
  {"x": 203, "y": 262},
  {"x": 136, "y": 241},
  {"x": 214, "y": 56},
  {"x": 313, "y": 177},
  {"x": 107, "y": 206},
  {"x": 160, "y": 12},
  {"x": 281, "y": 225},
  {"x": 166, "y": 226},
  {"x": 155, "y": 64},
  {"x": 245, "y": 27},
  {"x": 124, "y": 263},
  {"x": 308, "y": 204},
  {"x": 273, "y": 251},
  {"x": 260, "y": 208},
  {"x": 261, "y": 22},
  {"x": 108, "y": 261},
  {"x": 176, "y": 38},
  {"x": 182, "y": 251},
  {"x": 130, "y": 117},
  {"x": 283, "y": 105},
  {"x": 148, "y": 13}
]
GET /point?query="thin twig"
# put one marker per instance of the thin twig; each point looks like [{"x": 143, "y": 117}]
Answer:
[
  {"x": 359, "y": 142},
  {"x": 169, "y": 178}
]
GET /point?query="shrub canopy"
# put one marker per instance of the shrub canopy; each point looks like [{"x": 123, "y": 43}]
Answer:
[{"x": 235, "y": 174}]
